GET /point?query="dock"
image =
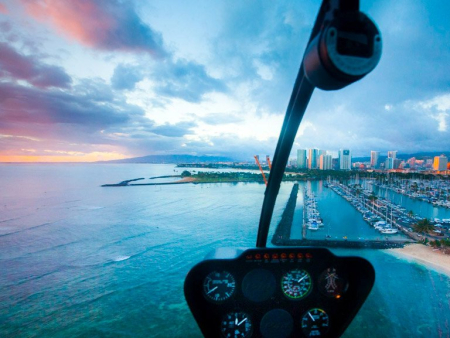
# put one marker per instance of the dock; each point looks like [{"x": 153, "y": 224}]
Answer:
[{"x": 282, "y": 235}]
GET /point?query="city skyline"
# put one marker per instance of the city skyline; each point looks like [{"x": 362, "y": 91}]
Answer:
[
  {"x": 104, "y": 81},
  {"x": 323, "y": 160}
]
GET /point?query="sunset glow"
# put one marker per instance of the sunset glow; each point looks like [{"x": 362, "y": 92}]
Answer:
[{"x": 93, "y": 81}]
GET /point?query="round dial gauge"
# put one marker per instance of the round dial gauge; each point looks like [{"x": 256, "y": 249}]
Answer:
[
  {"x": 219, "y": 286},
  {"x": 296, "y": 284},
  {"x": 236, "y": 325},
  {"x": 315, "y": 323},
  {"x": 332, "y": 284}
]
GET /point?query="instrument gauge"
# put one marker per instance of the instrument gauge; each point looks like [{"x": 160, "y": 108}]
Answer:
[
  {"x": 219, "y": 286},
  {"x": 315, "y": 323},
  {"x": 333, "y": 284},
  {"x": 296, "y": 284},
  {"x": 236, "y": 325}
]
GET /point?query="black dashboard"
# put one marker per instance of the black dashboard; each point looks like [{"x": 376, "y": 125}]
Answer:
[{"x": 277, "y": 292}]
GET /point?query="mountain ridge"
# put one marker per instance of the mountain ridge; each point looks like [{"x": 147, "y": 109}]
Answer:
[{"x": 180, "y": 158}]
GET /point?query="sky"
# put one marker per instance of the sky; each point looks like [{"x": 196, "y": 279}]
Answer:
[{"x": 95, "y": 80}]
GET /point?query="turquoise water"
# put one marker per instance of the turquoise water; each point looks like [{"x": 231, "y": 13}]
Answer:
[
  {"x": 340, "y": 218},
  {"x": 78, "y": 260},
  {"x": 420, "y": 208}
]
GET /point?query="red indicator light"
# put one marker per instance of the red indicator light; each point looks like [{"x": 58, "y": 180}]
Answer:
[
  {"x": 308, "y": 255},
  {"x": 292, "y": 255},
  {"x": 275, "y": 256},
  {"x": 266, "y": 256},
  {"x": 299, "y": 255},
  {"x": 249, "y": 257},
  {"x": 283, "y": 256},
  {"x": 258, "y": 256}
]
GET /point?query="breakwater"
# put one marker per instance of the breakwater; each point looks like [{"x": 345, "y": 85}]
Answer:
[{"x": 283, "y": 230}]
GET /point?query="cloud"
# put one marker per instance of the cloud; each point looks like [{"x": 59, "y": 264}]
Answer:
[
  {"x": 236, "y": 92},
  {"x": 105, "y": 25},
  {"x": 87, "y": 119},
  {"x": 3, "y": 9},
  {"x": 174, "y": 130},
  {"x": 16, "y": 66},
  {"x": 125, "y": 77},
  {"x": 438, "y": 108},
  {"x": 221, "y": 119},
  {"x": 184, "y": 79},
  {"x": 76, "y": 115}
]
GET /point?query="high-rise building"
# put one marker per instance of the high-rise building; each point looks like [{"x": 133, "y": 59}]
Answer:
[
  {"x": 389, "y": 163},
  {"x": 412, "y": 162},
  {"x": 392, "y": 154},
  {"x": 374, "y": 158},
  {"x": 345, "y": 159},
  {"x": 440, "y": 163},
  {"x": 301, "y": 159},
  {"x": 313, "y": 155},
  {"x": 325, "y": 162}
]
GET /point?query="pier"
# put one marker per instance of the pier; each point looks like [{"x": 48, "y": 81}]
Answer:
[
  {"x": 282, "y": 233},
  {"x": 376, "y": 208}
]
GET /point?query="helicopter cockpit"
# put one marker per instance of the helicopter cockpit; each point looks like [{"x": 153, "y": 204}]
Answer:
[{"x": 293, "y": 291}]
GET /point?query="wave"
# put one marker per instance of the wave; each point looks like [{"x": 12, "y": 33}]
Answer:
[
  {"x": 26, "y": 229},
  {"x": 121, "y": 258}
]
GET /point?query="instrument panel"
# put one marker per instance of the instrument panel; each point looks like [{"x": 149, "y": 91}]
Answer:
[{"x": 277, "y": 292}]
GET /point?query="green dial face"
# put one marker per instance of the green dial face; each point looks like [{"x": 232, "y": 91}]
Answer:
[
  {"x": 296, "y": 284},
  {"x": 236, "y": 325},
  {"x": 219, "y": 286},
  {"x": 315, "y": 323}
]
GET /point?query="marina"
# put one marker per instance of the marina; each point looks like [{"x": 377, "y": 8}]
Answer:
[
  {"x": 386, "y": 216},
  {"x": 293, "y": 228},
  {"x": 311, "y": 216},
  {"x": 435, "y": 192}
]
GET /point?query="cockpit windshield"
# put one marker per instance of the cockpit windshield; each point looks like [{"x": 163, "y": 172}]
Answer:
[{"x": 286, "y": 158}]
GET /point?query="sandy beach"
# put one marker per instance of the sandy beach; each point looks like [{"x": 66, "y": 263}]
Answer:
[
  {"x": 424, "y": 255},
  {"x": 185, "y": 179}
]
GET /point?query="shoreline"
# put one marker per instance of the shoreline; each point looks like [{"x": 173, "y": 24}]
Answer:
[{"x": 423, "y": 255}]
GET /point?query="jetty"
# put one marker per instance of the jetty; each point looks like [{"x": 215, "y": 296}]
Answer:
[{"x": 385, "y": 216}]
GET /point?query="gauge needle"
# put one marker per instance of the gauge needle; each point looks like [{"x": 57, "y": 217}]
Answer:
[
  {"x": 243, "y": 320},
  {"x": 211, "y": 290},
  {"x": 302, "y": 278},
  {"x": 311, "y": 316}
]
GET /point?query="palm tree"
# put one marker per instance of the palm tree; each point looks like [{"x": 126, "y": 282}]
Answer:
[
  {"x": 436, "y": 244},
  {"x": 372, "y": 198},
  {"x": 423, "y": 226}
]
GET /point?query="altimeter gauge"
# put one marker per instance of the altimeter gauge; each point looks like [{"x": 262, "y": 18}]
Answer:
[
  {"x": 218, "y": 286},
  {"x": 236, "y": 325},
  {"x": 296, "y": 284},
  {"x": 315, "y": 323}
]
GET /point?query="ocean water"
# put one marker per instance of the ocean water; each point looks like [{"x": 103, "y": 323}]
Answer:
[{"x": 78, "y": 260}]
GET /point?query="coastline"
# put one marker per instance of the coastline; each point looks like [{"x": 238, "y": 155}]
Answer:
[{"x": 424, "y": 255}]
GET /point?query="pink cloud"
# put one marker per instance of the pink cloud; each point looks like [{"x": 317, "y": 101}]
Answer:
[
  {"x": 98, "y": 24},
  {"x": 15, "y": 66},
  {"x": 3, "y": 9}
]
